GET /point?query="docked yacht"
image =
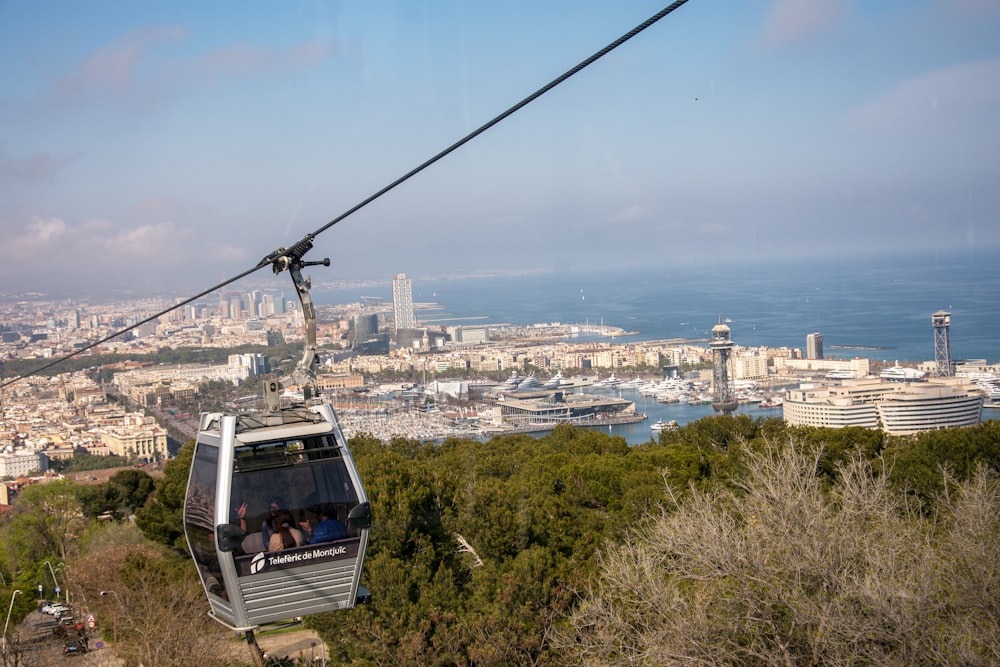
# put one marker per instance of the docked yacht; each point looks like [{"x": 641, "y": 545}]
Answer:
[
  {"x": 899, "y": 373},
  {"x": 991, "y": 392},
  {"x": 529, "y": 383},
  {"x": 635, "y": 383},
  {"x": 554, "y": 381},
  {"x": 514, "y": 379},
  {"x": 611, "y": 381},
  {"x": 660, "y": 425}
]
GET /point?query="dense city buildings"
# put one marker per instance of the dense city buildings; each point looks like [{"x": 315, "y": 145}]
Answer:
[
  {"x": 21, "y": 463},
  {"x": 137, "y": 438},
  {"x": 43, "y": 419}
]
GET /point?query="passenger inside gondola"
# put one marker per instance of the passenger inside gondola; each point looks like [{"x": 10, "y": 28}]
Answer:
[
  {"x": 270, "y": 525},
  {"x": 328, "y": 528},
  {"x": 288, "y": 535}
]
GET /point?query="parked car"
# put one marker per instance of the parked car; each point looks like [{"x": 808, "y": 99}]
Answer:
[{"x": 74, "y": 647}]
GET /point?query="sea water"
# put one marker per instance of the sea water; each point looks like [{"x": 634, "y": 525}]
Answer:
[{"x": 880, "y": 310}]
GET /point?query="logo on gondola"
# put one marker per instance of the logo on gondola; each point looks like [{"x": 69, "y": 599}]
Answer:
[
  {"x": 306, "y": 555},
  {"x": 257, "y": 564}
]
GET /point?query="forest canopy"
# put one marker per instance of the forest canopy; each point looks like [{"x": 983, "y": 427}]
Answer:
[{"x": 730, "y": 540}]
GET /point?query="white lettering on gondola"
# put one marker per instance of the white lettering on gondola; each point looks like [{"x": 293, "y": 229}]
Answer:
[{"x": 299, "y": 557}]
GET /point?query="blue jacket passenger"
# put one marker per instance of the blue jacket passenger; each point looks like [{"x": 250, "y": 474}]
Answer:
[{"x": 328, "y": 530}]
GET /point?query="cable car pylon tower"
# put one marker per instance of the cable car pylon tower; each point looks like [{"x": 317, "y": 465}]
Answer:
[
  {"x": 723, "y": 391},
  {"x": 943, "y": 366}
]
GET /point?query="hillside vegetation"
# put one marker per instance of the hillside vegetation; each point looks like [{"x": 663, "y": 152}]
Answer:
[{"x": 728, "y": 541}]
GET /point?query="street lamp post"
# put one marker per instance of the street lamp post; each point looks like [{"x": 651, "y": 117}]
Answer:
[
  {"x": 55, "y": 582},
  {"x": 7, "y": 622}
]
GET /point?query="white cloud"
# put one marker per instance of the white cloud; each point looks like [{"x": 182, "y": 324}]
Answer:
[
  {"x": 792, "y": 21},
  {"x": 98, "y": 241},
  {"x": 41, "y": 231},
  {"x": 935, "y": 99},
  {"x": 29, "y": 242}
]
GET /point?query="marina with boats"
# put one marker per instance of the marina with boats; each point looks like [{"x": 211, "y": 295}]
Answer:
[{"x": 637, "y": 408}]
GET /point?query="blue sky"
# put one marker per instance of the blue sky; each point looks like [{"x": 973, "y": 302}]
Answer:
[{"x": 170, "y": 145}]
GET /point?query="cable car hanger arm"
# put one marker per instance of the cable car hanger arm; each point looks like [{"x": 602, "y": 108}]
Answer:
[{"x": 304, "y": 373}]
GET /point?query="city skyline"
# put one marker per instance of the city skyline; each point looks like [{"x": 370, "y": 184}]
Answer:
[
  {"x": 881, "y": 309},
  {"x": 145, "y": 147}
]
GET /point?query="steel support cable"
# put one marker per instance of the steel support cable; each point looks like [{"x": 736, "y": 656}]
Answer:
[
  {"x": 527, "y": 100},
  {"x": 306, "y": 241},
  {"x": 134, "y": 326}
]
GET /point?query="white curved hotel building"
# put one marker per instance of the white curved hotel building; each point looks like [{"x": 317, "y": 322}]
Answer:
[{"x": 896, "y": 408}]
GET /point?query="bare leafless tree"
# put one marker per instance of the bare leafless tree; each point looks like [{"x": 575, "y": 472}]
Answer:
[
  {"x": 149, "y": 604},
  {"x": 781, "y": 568}
]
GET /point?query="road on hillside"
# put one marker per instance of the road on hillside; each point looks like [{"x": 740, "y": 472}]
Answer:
[{"x": 35, "y": 638}]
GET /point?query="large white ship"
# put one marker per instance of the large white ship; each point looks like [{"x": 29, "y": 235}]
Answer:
[{"x": 991, "y": 392}]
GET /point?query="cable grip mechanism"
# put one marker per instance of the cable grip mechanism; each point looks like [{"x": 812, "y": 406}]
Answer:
[{"x": 304, "y": 374}]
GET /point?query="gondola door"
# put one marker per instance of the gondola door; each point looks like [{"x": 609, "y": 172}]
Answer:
[{"x": 206, "y": 491}]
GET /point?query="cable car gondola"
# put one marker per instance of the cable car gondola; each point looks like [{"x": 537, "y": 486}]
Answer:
[{"x": 297, "y": 453}]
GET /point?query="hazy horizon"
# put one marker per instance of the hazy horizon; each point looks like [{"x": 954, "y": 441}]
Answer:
[{"x": 166, "y": 147}]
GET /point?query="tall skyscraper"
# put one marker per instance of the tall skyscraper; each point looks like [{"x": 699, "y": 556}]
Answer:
[
  {"x": 814, "y": 346},
  {"x": 402, "y": 302}
]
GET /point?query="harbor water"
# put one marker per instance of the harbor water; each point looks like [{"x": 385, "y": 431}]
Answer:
[{"x": 682, "y": 413}]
